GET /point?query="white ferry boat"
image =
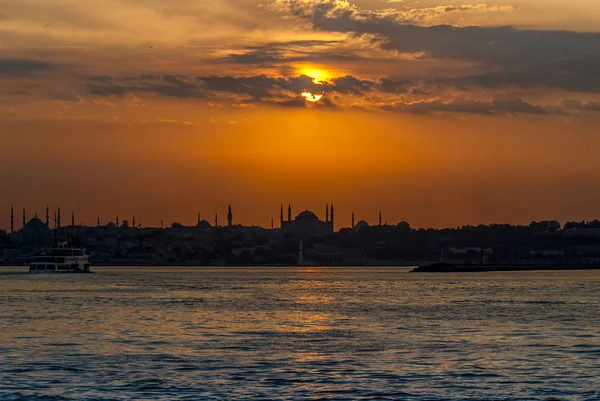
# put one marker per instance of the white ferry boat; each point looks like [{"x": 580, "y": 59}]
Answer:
[{"x": 60, "y": 259}]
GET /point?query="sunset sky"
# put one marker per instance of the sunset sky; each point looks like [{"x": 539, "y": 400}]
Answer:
[{"x": 440, "y": 113}]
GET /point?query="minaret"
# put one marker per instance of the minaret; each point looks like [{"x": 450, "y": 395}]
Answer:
[
  {"x": 272, "y": 224},
  {"x": 380, "y": 218},
  {"x": 24, "y": 222},
  {"x": 12, "y": 220},
  {"x": 327, "y": 213},
  {"x": 229, "y": 217},
  {"x": 58, "y": 219},
  {"x": 117, "y": 221},
  {"x": 133, "y": 222},
  {"x": 55, "y": 230},
  {"x": 353, "y": 220},
  {"x": 98, "y": 221},
  {"x": 331, "y": 221},
  {"x": 290, "y": 212},
  {"x": 47, "y": 217},
  {"x": 281, "y": 218},
  {"x": 216, "y": 220},
  {"x": 73, "y": 219}
]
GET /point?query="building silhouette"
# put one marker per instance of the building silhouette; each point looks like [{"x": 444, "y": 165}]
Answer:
[{"x": 306, "y": 223}]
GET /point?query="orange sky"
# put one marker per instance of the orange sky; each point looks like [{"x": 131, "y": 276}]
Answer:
[{"x": 164, "y": 110}]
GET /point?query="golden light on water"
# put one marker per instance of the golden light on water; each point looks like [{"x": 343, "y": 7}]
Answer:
[{"x": 311, "y": 97}]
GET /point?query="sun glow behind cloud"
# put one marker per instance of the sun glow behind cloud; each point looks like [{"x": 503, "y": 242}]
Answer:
[
  {"x": 311, "y": 97},
  {"x": 318, "y": 75}
]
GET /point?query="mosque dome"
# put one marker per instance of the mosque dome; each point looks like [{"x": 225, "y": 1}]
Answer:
[
  {"x": 307, "y": 216},
  {"x": 404, "y": 225},
  {"x": 35, "y": 223},
  {"x": 203, "y": 224},
  {"x": 361, "y": 224}
]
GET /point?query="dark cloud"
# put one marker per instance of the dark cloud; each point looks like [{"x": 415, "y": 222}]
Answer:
[
  {"x": 438, "y": 105},
  {"x": 352, "y": 85},
  {"x": 304, "y": 43},
  {"x": 503, "y": 104},
  {"x": 257, "y": 87},
  {"x": 259, "y": 57},
  {"x": 285, "y": 92},
  {"x": 418, "y": 91},
  {"x": 274, "y": 54},
  {"x": 393, "y": 85},
  {"x": 579, "y": 105},
  {"x": 66, "y": 96},
  {"x": 254, "y": 86},
  {"x": 518, "y": 57},
  {"x": 297, "y": 101},
  {"x": 167, "y": 85},
  {"x": 568, "y": 75},
  {"x": 300, "y": 102},
  {"x": 514, "y": 104},
  {"x": 13, "y": 67}
]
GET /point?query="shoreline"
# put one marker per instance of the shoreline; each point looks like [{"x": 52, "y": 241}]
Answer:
[{"x": 451, "y": 268}]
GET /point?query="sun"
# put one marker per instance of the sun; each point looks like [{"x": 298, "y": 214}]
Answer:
[
  {"x": 318, "y": 75},
  {"x": 311, "y": 97}
]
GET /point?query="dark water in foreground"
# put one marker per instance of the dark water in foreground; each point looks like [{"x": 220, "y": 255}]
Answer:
[{"x": 319, "y": 333}]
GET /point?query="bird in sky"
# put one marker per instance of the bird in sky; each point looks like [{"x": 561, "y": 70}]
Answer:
[
  {"x": 47, "y": 25},
  {"x": 150, "y": 46}
]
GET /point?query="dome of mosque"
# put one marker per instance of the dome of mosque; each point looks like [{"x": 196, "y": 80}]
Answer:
[
  {"x": 35, "y": 223},
  {"x": 307, "y": 216},
  {"x": 404, "y": 225},
  {"x": 361, "y": 224},
  {"x": 203, "y": 224}
]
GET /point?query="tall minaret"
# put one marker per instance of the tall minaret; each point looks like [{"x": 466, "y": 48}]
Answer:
[
  {"x": 24, "y": 222},
  {"x": 281, "y": 218},
  {"x": 12, "y": 220},
  {"x": 73, "y": 219},
  {"x": 229, "y": 217},
  {"x": 55, "y": 229},
  {"x": 289, "y": 212},
  {"x": 272, "y": 224},
  {"x": 327, "y": 213},
  {"x": 332, "y": 221},
  {"x": 352, "y": 219},
  {"x": 133, "y": 222},
  {"x": 47, "y": 217},
  {"x": 98, "y": 221},
  {"x": 380, "y": 218},
  {"x": 58, "y": 218},
  {"x": 216, "y": 220},
  {"x": 117, "y": 221}
]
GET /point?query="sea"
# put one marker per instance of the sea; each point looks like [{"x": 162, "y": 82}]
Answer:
[{"x": 299, "y": 334}]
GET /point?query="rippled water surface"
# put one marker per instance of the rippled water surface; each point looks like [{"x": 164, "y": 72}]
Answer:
[{"x": 319, "y": 333}]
